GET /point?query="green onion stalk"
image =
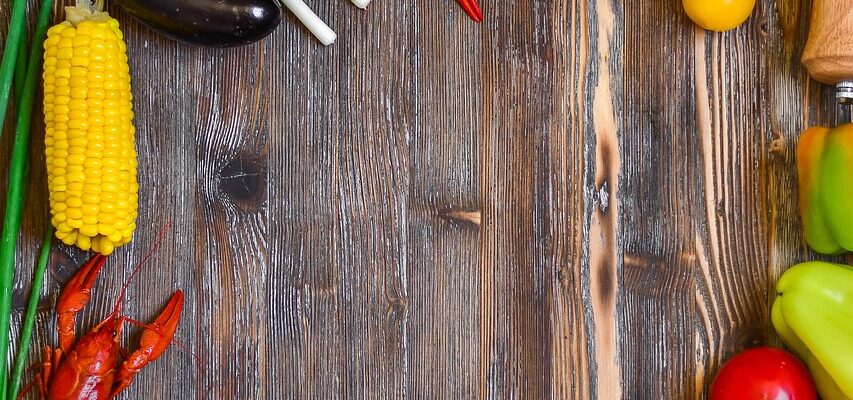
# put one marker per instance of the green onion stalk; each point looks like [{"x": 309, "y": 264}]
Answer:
[
  {"x": 20, "y": 71},
  {"x": 10, "y": 54},
  {"x": 30, "y": 318},
  {"x": 18, "y": 164}
]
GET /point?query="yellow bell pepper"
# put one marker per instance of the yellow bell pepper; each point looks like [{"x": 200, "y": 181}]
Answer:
[{"x": 813, "y": 313}]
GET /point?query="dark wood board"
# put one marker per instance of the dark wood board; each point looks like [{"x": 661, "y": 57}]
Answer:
[{"x": 574, "y": 199}]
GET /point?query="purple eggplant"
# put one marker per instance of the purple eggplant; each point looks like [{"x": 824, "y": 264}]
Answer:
[{"x": 208, "y": 23}]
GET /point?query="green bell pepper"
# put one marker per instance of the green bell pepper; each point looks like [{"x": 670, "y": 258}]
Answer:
[
  {"x": 813, "y": 313},
  {"x": 825, "y": 166}
]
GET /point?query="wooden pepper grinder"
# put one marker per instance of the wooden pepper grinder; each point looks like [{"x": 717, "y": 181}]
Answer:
[{"x": 828, "y": 55}]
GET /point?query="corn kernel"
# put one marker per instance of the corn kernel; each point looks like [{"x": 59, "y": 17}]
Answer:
[
  {"x": 106, "y": 229},
  {"x": 83, "y": 241},
  {"x": 107, "y": 247},
  {"x": 89, "y": 231},
  {"x": 75, "y": 223}
]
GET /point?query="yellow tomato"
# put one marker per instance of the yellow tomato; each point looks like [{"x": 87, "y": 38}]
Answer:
[{"x": 718, "y": 15}]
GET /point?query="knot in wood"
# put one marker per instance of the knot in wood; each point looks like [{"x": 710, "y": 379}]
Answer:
[{"x": 243, "y": 181}]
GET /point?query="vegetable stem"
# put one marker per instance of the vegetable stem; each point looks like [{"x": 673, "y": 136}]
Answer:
[
  {"x": 20, "y": 71},
  {"x": 15, "y": 189},
  {"x": 311, "y": 21},
  {"x": 91, "y": 5},
  {"x": 30, "y": 318},
  {"x": 10, "y": 55},
  {"x": 362, "y": 4}
]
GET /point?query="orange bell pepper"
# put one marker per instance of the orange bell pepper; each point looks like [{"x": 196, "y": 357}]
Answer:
[{"x": 825, "y": 166}]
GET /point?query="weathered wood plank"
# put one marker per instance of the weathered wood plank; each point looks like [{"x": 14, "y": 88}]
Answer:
[
  {"x": 661, "y": 201},
  {"x": 299, "y": 354},
  {"x": 516, "y": 357},
  {"x": 697, "y": 274},
  {"x": 604, "y": 245},
  {"x": 547, "y": 287},
  {"x": 340, "y": 175},
  {"x": 565, "y": 222},
  {"x": 443, "y": 272}
]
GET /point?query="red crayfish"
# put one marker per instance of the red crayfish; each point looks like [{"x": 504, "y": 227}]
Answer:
[{"x": 96, "y": 367}]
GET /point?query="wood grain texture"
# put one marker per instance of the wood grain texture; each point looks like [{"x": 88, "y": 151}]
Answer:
[{"x": 575, "y": 199}]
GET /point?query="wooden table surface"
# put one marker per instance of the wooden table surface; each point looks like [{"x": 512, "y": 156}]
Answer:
[{"x": 574, "y": 199}]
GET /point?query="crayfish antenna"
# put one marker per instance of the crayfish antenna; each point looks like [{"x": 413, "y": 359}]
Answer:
[
  {"x": 74, "y": 297},
  {"x": 160, "y": 236}
]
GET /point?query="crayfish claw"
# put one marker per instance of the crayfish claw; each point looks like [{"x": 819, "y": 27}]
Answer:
[
  {"x": 155, "y": 339},
  {"x": 74, "y": 297},
  {"x": 158, "y": 339}
]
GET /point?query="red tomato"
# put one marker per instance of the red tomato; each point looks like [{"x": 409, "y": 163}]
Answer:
[{"x": 763, "y": 373}]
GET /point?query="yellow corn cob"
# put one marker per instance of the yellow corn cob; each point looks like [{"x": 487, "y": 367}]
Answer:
[{"x": 89, "y": 135}]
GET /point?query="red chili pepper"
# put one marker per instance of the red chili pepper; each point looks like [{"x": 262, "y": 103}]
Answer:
[{"x": 473, "y": 10}]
